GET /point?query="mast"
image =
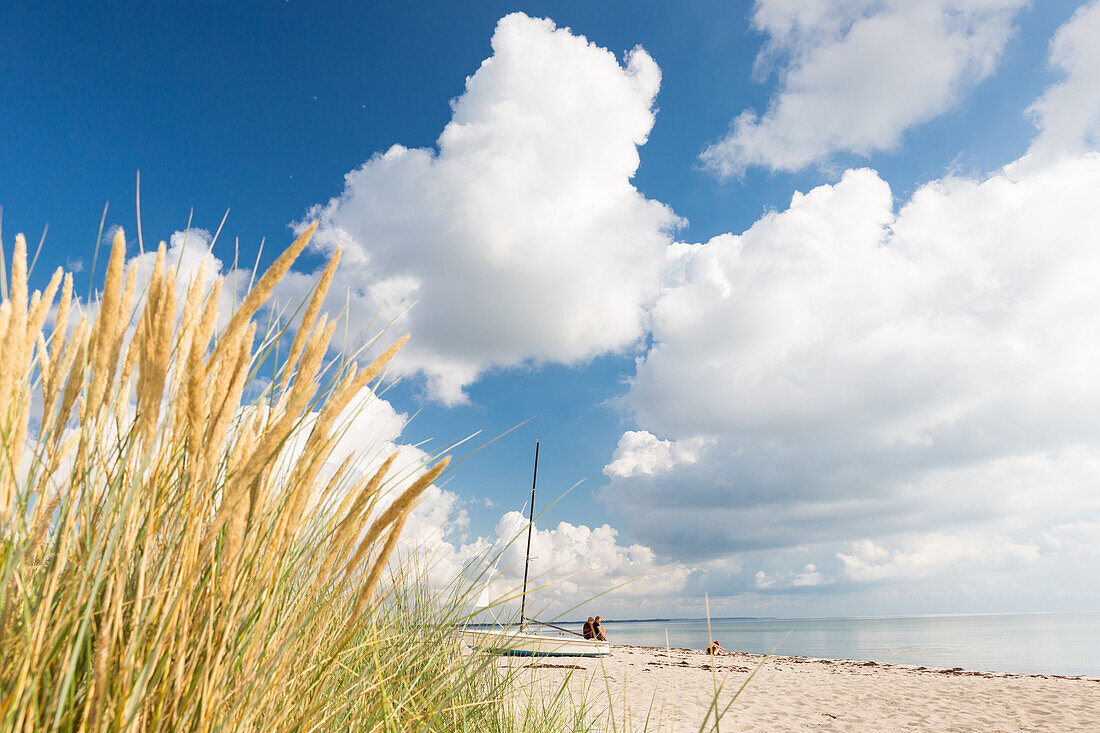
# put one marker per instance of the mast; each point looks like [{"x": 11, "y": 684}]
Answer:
[{"x": 530, "y": 526}]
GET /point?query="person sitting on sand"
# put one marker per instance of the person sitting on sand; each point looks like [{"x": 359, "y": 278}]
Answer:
[
  {"x": 597, "y": 630},
  {"x": 716, "y": 648},
  {"x": 587, "y": 631}
]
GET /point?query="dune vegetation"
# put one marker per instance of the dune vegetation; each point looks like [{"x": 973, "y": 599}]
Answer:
[{"x": 168, "y": 563}]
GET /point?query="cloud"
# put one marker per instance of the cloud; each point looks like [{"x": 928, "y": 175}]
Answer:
[
  {"x": 1077, "y": 538},
  {"x": 762, "y": 581},
  {"x": 854, "y": 75},
  {"x": 808, "y": 577},
  {"x": 860, "y": 369},
  {"x": 1068, "y": 113},
  {"x": 576, "y": 562},
  {"x": 939, "y": 565},
  {"x": 933, "y": 555},
  {"x": 520, "y": 238},
  {"x": 640, "y": 452}
]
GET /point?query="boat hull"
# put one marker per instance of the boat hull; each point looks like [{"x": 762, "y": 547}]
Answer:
[{"x": 515, "y": 644}]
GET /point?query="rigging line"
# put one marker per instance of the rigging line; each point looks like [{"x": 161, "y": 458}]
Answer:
[{"x": 559, "y": 628}]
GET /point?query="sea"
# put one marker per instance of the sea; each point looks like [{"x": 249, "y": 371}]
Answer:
[{"x": 1040, "y": 643}]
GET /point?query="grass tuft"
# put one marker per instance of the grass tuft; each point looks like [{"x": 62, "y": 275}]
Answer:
[{"x": 171, "y": 560}]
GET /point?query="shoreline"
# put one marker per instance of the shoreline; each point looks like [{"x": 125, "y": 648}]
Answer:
[
  {"x": 672, "y": 689},
  {"x": 797, "y": 659}
]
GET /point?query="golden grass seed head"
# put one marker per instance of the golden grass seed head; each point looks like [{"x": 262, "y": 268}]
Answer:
[
  {"x": 261, "y": 291},
  {"x": 41, "y": 310},
  {"x": 18, "y": 290},
  {"x": 309, "y": 318},
  {"x": 108, "y": 321},
  {"x": 61, "y": 319},
  {"x": 375, "y": 574},
  {"x": 402, "y": 503}
]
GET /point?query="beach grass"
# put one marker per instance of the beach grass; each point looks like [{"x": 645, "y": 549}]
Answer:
[{"x": 177, "y": 556}]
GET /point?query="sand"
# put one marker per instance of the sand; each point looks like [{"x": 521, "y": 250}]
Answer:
[{"x": 658, "y": 690}]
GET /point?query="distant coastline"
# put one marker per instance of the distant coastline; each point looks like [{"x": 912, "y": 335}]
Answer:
[{"x": 668, "y": 620}]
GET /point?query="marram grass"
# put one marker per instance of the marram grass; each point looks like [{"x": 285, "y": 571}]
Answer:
[{"x": 167, "y": 564}]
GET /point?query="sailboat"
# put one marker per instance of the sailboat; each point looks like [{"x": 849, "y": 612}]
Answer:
[{"x": 519, "y": 642}]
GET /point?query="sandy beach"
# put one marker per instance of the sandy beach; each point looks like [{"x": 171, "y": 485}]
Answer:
[{"x": 672, "y": 690}]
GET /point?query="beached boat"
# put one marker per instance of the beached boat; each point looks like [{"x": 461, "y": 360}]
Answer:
[{"x": 519, "y": 643}]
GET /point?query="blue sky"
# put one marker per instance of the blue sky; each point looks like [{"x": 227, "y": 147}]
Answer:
[{"x": 811, "y": 418}]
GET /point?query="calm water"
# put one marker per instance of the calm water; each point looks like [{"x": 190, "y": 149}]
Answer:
[{"x": 1066, "y": 644}]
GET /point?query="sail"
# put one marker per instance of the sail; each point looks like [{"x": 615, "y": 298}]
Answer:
[
  {"x": 485, "y": 595},
  {"x": 484, "y": 599}
]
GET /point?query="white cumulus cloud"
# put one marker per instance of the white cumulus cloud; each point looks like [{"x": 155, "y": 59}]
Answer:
[
  {"x": 933, "y": 554},
  {"x": 641, "y": 452},
  {"x": 854, "y": 75},
  {"x": 572, "y": 563},
  {"x": 1068, "y": 114},
  {"x": 520, "y": 238},
  {"x": 858, "y": 365}
]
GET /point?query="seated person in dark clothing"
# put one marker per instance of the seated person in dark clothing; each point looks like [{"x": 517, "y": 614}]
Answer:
[
  {"x": 587, "y": 630},
  {"x": 597, "y": 629},
  {"x": 716, "y": 648}
]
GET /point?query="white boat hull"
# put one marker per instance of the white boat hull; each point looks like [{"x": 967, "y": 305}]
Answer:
[{"x": 516, "y": 644}]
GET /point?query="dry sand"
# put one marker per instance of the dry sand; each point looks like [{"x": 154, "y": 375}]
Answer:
[{"x": 654, "y": 689}]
